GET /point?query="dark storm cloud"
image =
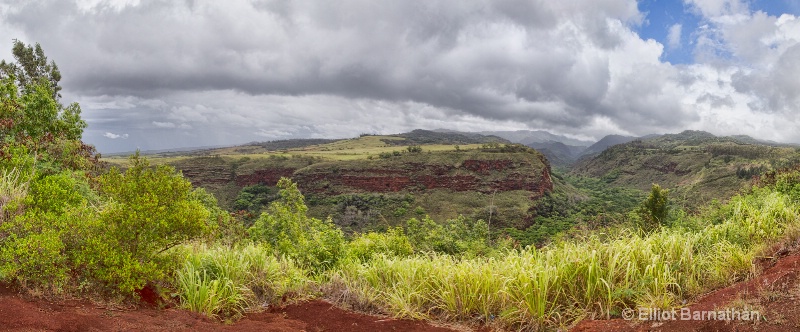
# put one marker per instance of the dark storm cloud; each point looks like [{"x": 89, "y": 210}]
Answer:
[
  {"x": 248, "y": 70},
  {"x": 496, "y": 60}
]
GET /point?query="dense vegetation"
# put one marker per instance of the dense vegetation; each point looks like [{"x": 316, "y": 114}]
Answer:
[
  {"x": 69, "y": 226},
  {"x": 576, "y": 202},
  {"x": 65, "y": 226}
]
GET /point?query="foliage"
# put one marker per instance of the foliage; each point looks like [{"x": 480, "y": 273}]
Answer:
[
  {"x": 227, "y": 229},
  {"x": 32, "y": 116},
  {"x": 39, "y": 244},
  {"x": 749, "y": 172},
  {"x": 654, "y": 210},
  {"x": 147, "y": 211},
  {"x": 393, "y": 243},
  {"x": 454, "y": 237},
  {"x": 285, "y": 227},
  {"x": 577, "y": 201},
  {"x": 254, "y": 198},
  {"x": 31, "y": 68},
  {"x": 62, "y": 227},
  {"x": 63, "y": 232},
  {"x": 414, "y": 149}
]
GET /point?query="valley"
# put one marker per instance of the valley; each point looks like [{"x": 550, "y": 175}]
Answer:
[{"x": 400, "y": 166}]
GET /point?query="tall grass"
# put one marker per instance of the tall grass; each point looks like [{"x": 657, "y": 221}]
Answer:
[
  {"x": 13, "y": 188},
  {"x": 221, "y": 281},
  {"x": 599, "y": 274}
]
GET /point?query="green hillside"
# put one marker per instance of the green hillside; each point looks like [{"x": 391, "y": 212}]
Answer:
[{"x": 698, "y": 165}]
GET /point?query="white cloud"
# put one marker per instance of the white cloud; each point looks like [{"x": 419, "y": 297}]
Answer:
[
  {"x": 674, "y": 36},
  {"x": 718, "y": 8},
  {"x": 115, "y": 136}
]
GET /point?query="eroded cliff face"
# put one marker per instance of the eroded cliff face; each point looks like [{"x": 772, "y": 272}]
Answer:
[
  {"x": 206, "y": 171},
  {"x": 435, "y": 180},
  {"x": 455, "y": 171}
]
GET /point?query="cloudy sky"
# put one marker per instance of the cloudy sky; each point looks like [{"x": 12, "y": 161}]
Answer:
[{"x": 166, "y": 74}]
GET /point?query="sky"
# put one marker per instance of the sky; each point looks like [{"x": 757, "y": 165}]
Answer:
[{"x": 171, "y": 74}]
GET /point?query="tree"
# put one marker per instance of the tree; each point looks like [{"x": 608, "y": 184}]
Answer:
[
  {"x": 31, "y": 68},
  {"x": 32, "y": 116},
  {"x": 654, "y": 210},
  {"x": 285, "y": 227}
]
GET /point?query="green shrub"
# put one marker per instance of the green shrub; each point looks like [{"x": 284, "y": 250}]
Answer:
[
  {"x": 39, "y": 245},
  {"x": 788, "y": 183},
  {"x": 393, "y": 242},
  {"x": 146, "y": 212},
  {"x": 654, "y": 210},
  {"x": 454, "y": 236},
  {"x": 414, "y": 149},
  {"x": 285, "y": 227},
  {"x": 223, "y": 226},
  {"x": 254, "y": 198}
]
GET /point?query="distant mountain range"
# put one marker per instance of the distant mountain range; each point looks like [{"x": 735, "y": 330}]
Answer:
[
  {"x": 560, "y": 150},
  {"x": 563, "y": 151},
  {"x": 529, "y": 137}
]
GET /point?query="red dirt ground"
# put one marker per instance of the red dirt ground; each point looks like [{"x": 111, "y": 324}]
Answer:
[
  {"x": 18, "y": 314},
  {"x": 774, "y": 294}
]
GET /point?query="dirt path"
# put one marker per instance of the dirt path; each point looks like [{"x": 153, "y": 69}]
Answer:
[
  {"x": 774, "y": 295},
  {"x": 18, "y": 314}
]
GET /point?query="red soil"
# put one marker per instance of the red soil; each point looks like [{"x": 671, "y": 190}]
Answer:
[
  {"x": 18, "y": 314},
  {"x": 774, "y": 294}
]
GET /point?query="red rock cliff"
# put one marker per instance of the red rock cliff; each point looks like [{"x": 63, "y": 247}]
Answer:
[{"x": 481, "y": 175}]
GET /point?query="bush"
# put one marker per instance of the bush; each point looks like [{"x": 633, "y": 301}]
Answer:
[
  {"x": 147, "y": 211},
  {"x": 225, "y": 227},
  {"x": 654, "y": 210},
  {"x": 285, "y": 227},
  {"x": 39, "y": 243},
  {"x": 788, "y": 183},
  {"x": 254, "y": 198},
  {"x": 393, "y": 243},
  {"x": 454, "y": 237}
]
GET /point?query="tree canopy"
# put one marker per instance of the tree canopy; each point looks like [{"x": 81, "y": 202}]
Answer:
[{"x": 32, "y": 116}]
